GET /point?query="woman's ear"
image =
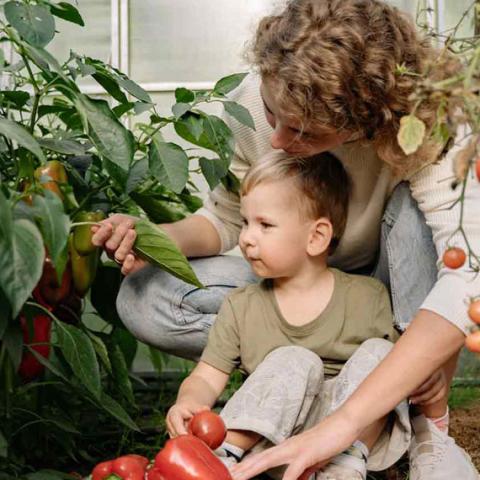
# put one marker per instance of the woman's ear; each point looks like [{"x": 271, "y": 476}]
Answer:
[{"x": 320, "y": 237}]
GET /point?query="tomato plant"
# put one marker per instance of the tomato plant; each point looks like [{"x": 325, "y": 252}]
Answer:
[
  {"x": 454, "y": 257},
  {"x": 208, "y": 427}
]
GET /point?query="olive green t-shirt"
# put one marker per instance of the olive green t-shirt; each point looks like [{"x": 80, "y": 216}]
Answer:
[{"x": 250, "y": 325}]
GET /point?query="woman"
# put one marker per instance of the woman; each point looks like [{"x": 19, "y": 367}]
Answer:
[{"x": 328, "y": 82}]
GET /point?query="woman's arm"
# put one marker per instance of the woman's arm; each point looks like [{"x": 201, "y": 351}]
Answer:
[{"x": 426, "y": 345}]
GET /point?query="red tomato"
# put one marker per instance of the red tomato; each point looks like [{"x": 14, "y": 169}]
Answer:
[
  {"x": 454, "y": 257},
  {"x": 209, "y": 427},
  {"x": 187, "y": 458},
  {"x": 102, "y": 470},
  {"x": 474, "y": 311},
  {"x": 477, "y": 168},
  {"x": 472, "y": 342}
]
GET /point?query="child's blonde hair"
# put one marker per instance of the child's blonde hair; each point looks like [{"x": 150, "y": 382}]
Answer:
[
  {"x": 322, "y": 183},
  {"x": 334, "y": 63}
]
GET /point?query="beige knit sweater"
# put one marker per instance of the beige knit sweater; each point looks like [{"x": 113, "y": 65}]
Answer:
[{"x": 373, "y": 183}]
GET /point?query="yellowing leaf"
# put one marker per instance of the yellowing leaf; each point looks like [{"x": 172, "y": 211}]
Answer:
[{"x": 411, "y": 134}]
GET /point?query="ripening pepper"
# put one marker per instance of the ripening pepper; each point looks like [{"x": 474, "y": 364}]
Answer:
[
  {"x": 30, "y": 367},
  {"x": 128, "y": 467},
  {"x": 56, "y": 171},
  {"x": 82, "y": 235},
  {"x": 49, "y": 291},
  {"x": 84, "y": 268},
  {"x": 187, "y": 458}
]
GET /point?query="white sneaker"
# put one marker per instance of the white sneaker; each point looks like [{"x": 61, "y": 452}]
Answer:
[
  {"x": 225, "y": 457},
  {"x": 435, "y": 456}
]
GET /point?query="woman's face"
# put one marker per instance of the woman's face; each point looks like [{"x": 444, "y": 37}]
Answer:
[{"x": 289, "y": 136}]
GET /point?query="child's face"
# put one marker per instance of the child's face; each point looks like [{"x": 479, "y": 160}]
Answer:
[{"x": 274, "y": 235}]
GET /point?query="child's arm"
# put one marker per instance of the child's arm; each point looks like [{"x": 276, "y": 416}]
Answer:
[{"x": 199, "y": 391}]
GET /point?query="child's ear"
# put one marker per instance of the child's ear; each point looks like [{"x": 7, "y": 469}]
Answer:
[{"x": 320, "y": 237}]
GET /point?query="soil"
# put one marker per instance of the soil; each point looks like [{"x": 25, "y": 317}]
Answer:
[{"x": 465, "y": 428}]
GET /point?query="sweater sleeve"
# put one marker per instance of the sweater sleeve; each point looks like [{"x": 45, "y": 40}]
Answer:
[
  {"x": 431, "y": 187},
  {"x": 222, "y": 208}
]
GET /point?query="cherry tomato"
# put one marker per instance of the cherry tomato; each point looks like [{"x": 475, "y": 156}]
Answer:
[
  {"x": 454, "y": 257},
  {"x": 472, "y": 342},
  {"x": 477, "y": 168},
  {"x": 474, "y": 311},
  {"x": 209, "y": 427}
]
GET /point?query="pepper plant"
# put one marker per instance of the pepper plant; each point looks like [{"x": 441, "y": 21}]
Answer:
[{"x": 66, "y": 161}]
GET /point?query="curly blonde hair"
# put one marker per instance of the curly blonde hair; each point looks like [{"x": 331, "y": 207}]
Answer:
[{"x": 334, "y": 63}]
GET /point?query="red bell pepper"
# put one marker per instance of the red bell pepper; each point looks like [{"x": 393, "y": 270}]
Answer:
[
  {"x": 30, "y": 367},
  {"x": 49, "y": 291},
  {"x": 128, "y": 467},
  {"x": 187, "y": 458}
]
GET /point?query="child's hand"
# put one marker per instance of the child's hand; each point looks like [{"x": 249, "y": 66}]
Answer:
[
  {"x": 179, "y": 415},
  {"x": 431, "y": 391}
]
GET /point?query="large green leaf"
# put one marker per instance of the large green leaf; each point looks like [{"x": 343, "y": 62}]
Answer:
[
  {"x": 14, "y": 99},
  {"x": 13, "y": 340},
  {"x": 67, "y": 147},
  {"x": 112, "y": 140},
  {"x": 159, "y": 210},
  {"x": 21, "y": 259},
  {"x": 68, "y": 12},
  {"x": 213, "y": 170},
  {"x": 16, "y": 132},
  {"x": 79, "y": 352},
  {"x": 169, "y": 164},
  {"x": 114, "y": 409},
  {"x": 134, "y": 89},
  {"x": 240, "y": 113},
  {"x": 220, "y": 137},
  {"x": 156, "y": 247},
  {"x": 227, "y": 84},
  {"x": 54, "y": 224},
  {"x": 184, "y": 95},
  {"x": 47, "y": 62},
  {"x": 127, "y": 343},
  {"x": 190, "y": 127},
  {"x": 34, "y": 23},
  {"x": 120, "y": 372}
]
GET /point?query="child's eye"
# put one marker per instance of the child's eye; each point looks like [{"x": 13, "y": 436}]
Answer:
[{"x": 266, "y": 225}]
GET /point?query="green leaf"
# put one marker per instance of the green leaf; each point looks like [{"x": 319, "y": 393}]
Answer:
[
  {"x": 156, "y": 247},
  {"x": 220, "y": 137},
  {"x": 136, "y": 90},
  {"x": 190, "y": 127},
  {"x": 114, "y": 409},
  {"x": 5, "y": 314},
  {"x": 14, "y": 99},
  {"x": 159, "y": 210},
  {"x": 48, "y": 364},
  {"x": 78, "y": 350},
  {"x": 137, "y": 174},
  {"x": 127, "y": 343},
  {"x": 2, "y": 59},
  {"x": 110, "y": 85},
  {"x": 34, "y": 23},
  {"x": 184, "y": 95},
  {"x": 54, "y": 224},
  {"x": 168, "y": 164},
  {"x": 112, "y": 140},
  {"x": 240, "y": 113},
  {"x": 157, "y": 359},
  {"x": 411, "y": 134},
  {"x": 227, "y": 84},
  {"x": 3, "y": 446},
  {"x": 180, "y": 109},
  {"x": 213, "y": 170},
  {"x": 140, "y": 107},
  {"x": 104, "y": 291},
  {"x": 16, "y": 132},
  {"x": 21, "y": 259},
  {"x": 120, "y": 372},
  {"x": 13, "y": 340},
  {"x": 67, "y": 147},
  {"x": 68, "y": 12},
  {"x": 101, "y": 350}
]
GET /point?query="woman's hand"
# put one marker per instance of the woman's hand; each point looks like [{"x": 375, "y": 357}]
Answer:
[
  {"x": 433, "y": 390},
  {"x": 305, "y": 453},
  {"x": 116, "y": 235},
  {"x": 180, "y": 415}
]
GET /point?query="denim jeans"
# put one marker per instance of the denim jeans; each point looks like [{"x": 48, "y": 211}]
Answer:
[{"x": 175, "y": 317}]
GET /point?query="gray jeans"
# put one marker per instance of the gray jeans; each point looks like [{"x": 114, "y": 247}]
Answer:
[{"x": 175, "y": 317}]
